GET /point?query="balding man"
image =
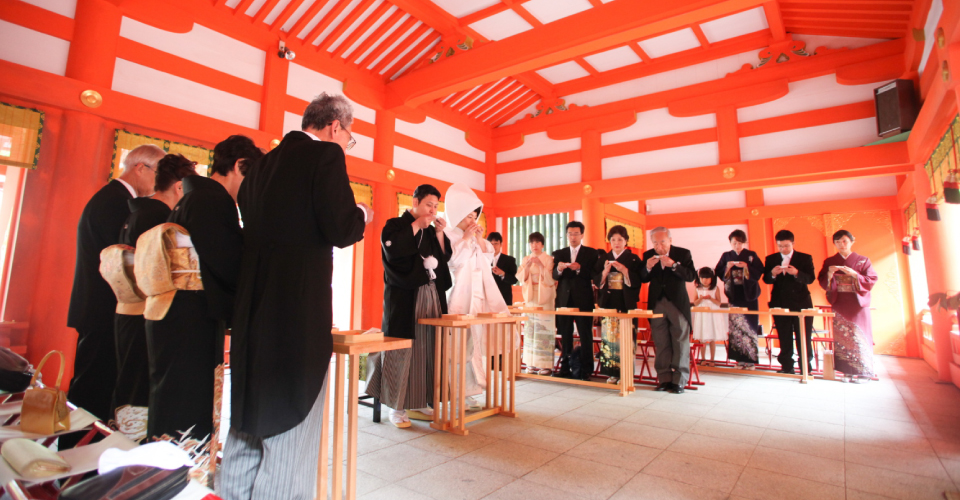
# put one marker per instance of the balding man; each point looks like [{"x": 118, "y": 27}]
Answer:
[
  {"x": 92, "y": 302},
  {"x": 668, "y": 268}
]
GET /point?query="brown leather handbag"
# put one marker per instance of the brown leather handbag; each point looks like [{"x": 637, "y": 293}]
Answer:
[{"x": 45, "y": 408}]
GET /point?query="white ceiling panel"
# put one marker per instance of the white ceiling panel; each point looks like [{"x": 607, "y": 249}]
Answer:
[
  {"x": 297, "y": 14},
  {"x": 563, "y": 72},
  {"x": 277, "y": 10},
  {"x": 556, "y": 175},
  {"x": 254, "y": 7},
  {"x": 63, "y": 7},
  {"x": 842, "y": 135},
  {"x": 613, "y": 59},
  {"x": 538, "y": 144},
  {"x": 548, "y": 11},
  {"x": 629, "y": 205},
  {"x": 661, "y": 160},
  {"x": 656, "y": 123},
  {"x": 502, "y": 25},
  {"x": 671, "y": 43},
  {"x": 733, "y": 26},
  {"x": 697, "y": 203},
  {"x": 347, "y": 32},
  {"x": 830, "y": 191},
  {"x": 460, "y": 8},
  {"x": 806, "y": 95}
]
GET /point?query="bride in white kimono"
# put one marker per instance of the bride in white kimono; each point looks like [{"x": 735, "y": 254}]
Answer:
[{"x": 474, "y": 289}]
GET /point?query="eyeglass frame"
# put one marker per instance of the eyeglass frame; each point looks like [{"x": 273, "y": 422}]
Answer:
[{"x": 352, "y": 142}]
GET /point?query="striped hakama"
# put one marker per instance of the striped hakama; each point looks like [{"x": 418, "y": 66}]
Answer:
[{"x": 403, "y": 379}]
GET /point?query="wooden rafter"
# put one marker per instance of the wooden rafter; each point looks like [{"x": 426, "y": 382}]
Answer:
[
  {"x": 285, "y": 15},
  {"x": 412, "y": 56},
  {"x": 265, "y": 11},
  {"x": 385, "y": 45},
  {"x": 509, "y": 113},
  {"x": 386, "y": 61},
  {"x": 504, "y": 101},
  {"x": 344, "y": 24},
  {"x": 493, "y": 97},
  {"x": 377, "y": 33},
  {"x": 308, "y": 16},
  {"x": 698, "y": 31},
  {"x": 241, "y": 8},
  {"x": 325, "y": 22},
  {"x": 774, "y": 20},
  {"x": 473, "y": 96},
  {"x": 363, "y": 28},
  {"x": 484, "y": 96}
]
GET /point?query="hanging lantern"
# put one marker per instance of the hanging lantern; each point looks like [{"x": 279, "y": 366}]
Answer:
[
  {"x": 906, "y": 245},
  {"x": 951, "y": 188},
  {"x": 933, "y": 208},
  {"x": 915, "y": 241}
]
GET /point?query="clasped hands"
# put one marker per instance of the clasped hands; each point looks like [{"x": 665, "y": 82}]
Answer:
[
  {"x": 665, "y": 259},
  {"x": 566, "y": 265},
  {"x": 843, "y": 269},
  {"x": 789, "y": 270},
  {"x": 424, "y": 222}
]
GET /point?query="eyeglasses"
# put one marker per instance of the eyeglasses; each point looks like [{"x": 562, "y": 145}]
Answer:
[
  {"x": 152, "y": 169},
  {"x": 350, "y": 143}
]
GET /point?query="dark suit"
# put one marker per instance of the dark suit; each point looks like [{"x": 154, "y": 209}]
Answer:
[
  {"x": 790, "y": 292},
  {"x": 297, "y": 205},
  {"x": 186, "y": 346},
  {"x": 667, "y": 295},
  {"x": 575, "y": 289},
  {"x": 92, "y": 302},
  {"x": 505, "y": 283}
]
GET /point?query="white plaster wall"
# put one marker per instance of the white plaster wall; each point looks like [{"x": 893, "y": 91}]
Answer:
[
  {"x": 673, "y": 79},
  {"x": 868, "y": 187},
  {"x": 539, "y": 177},
  {"x": 63, "y": 7},
  {"x": 203, "y": 46},
  {"x": 806, "y": 95},
  {"x": 656, "y": 123},
  {"x": 33, "y": 49},
  {"x": 164, "y": 88},
  {"x": 305, "y": 83},
  {"x": 629, "y": 205},
  {"x": 538, "y": 145},
  {"x": 661, "y": 160},
  {"x": 429, "y": 166},
  {"x": 697, "y": 203},
  {"x": 829, "y": 137},
  {"x": 440, "y": 134}
]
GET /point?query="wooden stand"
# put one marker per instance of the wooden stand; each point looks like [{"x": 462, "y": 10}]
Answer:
[
  {"x": 805, "y": 376},
  {"x": 345, "y": 352},
  {"x": 450, "y": 363},
  {"x": 628, "y": 347}
]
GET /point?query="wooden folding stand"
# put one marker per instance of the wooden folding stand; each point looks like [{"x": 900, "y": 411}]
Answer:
[
  {"x": 626, "y": 385},
  {"x": 450, "y": 361},
  {"x": 344, "y": 352},
  {"x": 804, "y": 376}
]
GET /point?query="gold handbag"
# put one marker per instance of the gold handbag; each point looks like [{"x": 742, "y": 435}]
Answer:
[{"x": 45, "y": 408}]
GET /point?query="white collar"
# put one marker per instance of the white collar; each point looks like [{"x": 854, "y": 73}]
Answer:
[
  {"x": 133, "y": 192},
  {"x": 311, "y": 135},
  {"x": 497, "y": 256},
  {"x": 576, "y": 248},
  {"x": 617, "y": 255},
  {"x": 787, "y": 256}
]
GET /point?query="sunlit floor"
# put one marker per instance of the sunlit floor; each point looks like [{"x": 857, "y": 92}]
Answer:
[{"x": 736, "y": 437}]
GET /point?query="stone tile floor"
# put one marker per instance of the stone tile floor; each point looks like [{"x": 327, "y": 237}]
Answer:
[{"x": 738, "y": 437}]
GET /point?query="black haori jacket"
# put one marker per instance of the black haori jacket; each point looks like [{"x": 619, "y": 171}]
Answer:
[{"x": 297, "y": 205}]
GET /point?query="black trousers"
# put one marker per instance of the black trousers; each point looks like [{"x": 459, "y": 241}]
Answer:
[
  {"x": 184, "y": 348},
  {"x": 585, "y": 328},
  {"x": 94, "y": 371},
  {"x": 788, "y": 330},
  {"x": 133, "y": 366}
]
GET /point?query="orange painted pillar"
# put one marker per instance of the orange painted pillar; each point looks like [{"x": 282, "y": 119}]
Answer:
[
  {"x": 93, "y": 50},
  {"x": 274, "y": 93},
  {"x": 590, "y": 171},
  {"x": 941, "y": 245},
  {"x": 60, "y": 193},
  {"x": 728, "y": 135},
  {"x": 757, "y": 240},
  {"x": 384, "y": 208}
]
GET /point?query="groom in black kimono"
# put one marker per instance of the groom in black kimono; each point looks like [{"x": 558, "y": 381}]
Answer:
[{"x": 416, "y": 278}]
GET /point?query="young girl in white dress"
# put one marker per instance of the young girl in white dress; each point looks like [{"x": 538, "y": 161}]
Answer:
[{"x": 708, "y": 328}]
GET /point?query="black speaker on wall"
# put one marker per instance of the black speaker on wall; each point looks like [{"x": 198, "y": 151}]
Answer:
[{"x": 896, "y": 107}]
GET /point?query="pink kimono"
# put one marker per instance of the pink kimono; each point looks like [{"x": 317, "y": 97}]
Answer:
[{"x": 852, "y": 332}]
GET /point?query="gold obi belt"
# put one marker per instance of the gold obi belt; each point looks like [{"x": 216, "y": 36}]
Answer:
[
  {"x": 116, "y": 267},
  {"x": 165, "y": 262},
  {"x": 615, "y": 280}
]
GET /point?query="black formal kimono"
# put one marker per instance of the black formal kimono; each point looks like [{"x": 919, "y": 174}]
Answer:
[
  {"x": 791, "y": 292},
  {"x": 297, "y": 205},
  {"x": 575, "y": 289},
  {"x": 93, "y": 303},
  {"x": 742, "y": 287},
  {"x": 403, "y": 379},
  {"x": 667, "y": 295},
  {"x": 505, "y": 283},
  {"x": 130, "y": 332},
  {"x": 615, "y": 294},
  {"x": 186, "y": 346}
]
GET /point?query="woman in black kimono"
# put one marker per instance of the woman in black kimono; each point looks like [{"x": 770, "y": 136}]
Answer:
[
  {"x": 617, "y": 276},
  {"x": 741, "y": 269},
  {"x": 133, "y": 368}
]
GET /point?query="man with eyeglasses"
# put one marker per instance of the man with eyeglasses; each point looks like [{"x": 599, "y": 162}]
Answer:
[
  {"x": 92, "y": 301},
  {"x": 297, "y": 205}
]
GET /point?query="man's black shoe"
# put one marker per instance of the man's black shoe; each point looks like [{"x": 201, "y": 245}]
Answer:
[
  {"x": 563, "y": 374},
  {"x": 676, "y": 389},
  {"x": 663, "y": 386},
  {"x": 784, "y": 370}
]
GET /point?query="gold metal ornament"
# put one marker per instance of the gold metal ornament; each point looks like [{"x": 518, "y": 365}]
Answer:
[
  {"x": 391, "y": 175},
  {"x": 587, "y": 189},
  {"x": 729, "y": 173},
  {"x": 946, "y": 71},
  {"x": 754, "y": 212},
  {"x": 91, "y": 98},
  {"x": 941, "y": 38},
  {"x": 274, "y": 143}
]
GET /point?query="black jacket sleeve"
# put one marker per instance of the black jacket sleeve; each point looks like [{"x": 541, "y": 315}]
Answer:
[
  {"x": 805, "y": 272},
  {"x": 508, "y": 265},
  {"x": 686, "y": 270},
  {"x": 339, "y": 218}
]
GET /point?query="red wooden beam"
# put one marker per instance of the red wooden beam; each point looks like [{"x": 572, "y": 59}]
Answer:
[
  {"x": 413, "y": 54},
  {"x": 383, "y": 46},
  {"x": 285, "y": 15},
  {"x": 774, "y": 20},
  {"x": 510, "y": 112},
  {"x": 507, "y": 98},
  {"x": 264, "y": 11},
  {"x": 404, "y": 44},
  {"x": 496, "y": 95}
]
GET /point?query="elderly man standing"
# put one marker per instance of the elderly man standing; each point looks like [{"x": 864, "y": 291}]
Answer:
[
  {"x": 296, "y": 205},
  {"x": 92, "y": 302},
  {"x": 668, "y": 268}
]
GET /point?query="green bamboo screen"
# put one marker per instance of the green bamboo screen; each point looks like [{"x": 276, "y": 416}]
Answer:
[{"x": 552, "y": 226}]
